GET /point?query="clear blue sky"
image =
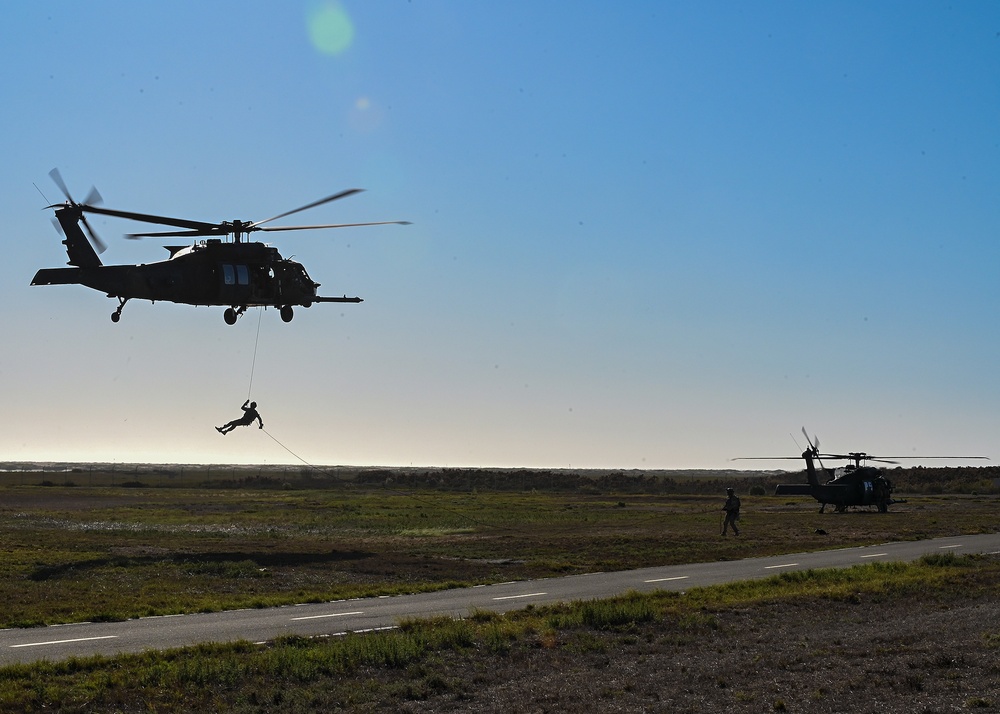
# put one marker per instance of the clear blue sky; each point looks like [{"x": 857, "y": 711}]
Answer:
[{"x": 645, "y": 234}]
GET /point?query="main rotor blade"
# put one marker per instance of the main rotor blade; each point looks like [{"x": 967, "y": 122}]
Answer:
[
  {"x": 167, "y": 234},
  {"x": 148, "y": 218},
  {"x": 331, "y": 225},
  {"x": 320, "y": 202},
  {"x": 94, "y": 198},
  {"x": 882, "y": 458}
]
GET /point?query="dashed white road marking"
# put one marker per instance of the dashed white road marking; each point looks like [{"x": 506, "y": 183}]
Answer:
[
  {"x": 516, "y": 597},
  {"x": 62, "y": 642},
  {"x": 663, "y": 580},
  {"x": 332, "y": 614},
  {"x": 957, "y": 545},
  {"x": 874, "y": 555},
  {"x": 783, "y": 565}
]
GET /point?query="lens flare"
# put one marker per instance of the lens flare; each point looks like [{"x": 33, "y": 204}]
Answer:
[
  {"x": 365, "y": 115},
  {"x": 330, "y": 28}
]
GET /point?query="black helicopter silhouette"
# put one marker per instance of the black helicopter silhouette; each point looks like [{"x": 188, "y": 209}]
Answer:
[
  {"x": 849, "y": 486},
  {"x": 236, "y": 273}
]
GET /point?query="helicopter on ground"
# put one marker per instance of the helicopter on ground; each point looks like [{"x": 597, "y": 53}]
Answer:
[
  {"x": 237, "y": 273},
  {"x": 853, "y": 485}
]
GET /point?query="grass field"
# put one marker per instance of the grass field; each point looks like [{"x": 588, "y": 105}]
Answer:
[{"x": 75, "y": 550}]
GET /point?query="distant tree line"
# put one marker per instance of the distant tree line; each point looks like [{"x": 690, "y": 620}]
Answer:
[{"x": 914, "y": 480}]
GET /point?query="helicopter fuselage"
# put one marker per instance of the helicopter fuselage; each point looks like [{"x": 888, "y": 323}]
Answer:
[
  {"x": 207, "y": 273},
  {"x": 239, "y": 275},
  {"x": 851, "y": 486},
  {"x": 843, "y": 487}
]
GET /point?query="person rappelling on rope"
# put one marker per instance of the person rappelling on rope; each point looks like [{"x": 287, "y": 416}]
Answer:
[{"x": 249, "y": 414}]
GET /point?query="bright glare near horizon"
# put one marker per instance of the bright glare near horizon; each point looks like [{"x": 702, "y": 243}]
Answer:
[{"x": 644, "y": 235}]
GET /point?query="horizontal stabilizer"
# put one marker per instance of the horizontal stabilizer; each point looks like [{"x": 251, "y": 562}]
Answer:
[{"x": 57, "y": 276}]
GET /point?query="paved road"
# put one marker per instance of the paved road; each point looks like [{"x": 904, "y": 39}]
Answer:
[{"x": 330, "y": 618}]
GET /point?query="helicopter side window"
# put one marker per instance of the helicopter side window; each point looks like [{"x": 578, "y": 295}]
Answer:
[
  {"x": 242, "y": 275},
  {"x": 228, "y": 274}
]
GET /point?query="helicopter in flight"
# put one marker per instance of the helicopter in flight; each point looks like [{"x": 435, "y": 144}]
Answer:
[
  {"x": 852, "y": 485},
  {"x": 221, "y": 266}
]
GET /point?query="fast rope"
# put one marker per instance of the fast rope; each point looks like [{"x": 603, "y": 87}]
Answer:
[
  {"x": 272, "y": 437},
  {"x": 253, "y": 364}
]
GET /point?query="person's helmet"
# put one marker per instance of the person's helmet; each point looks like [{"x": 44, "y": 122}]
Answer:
[
  {"x": 729, "y": 490},
  {"x": 253, "y": 405}
]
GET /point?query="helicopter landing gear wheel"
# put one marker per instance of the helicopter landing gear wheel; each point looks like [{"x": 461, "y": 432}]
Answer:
[
  {"x": 117, "y": 314},
  {"x": 232, "y": 314},
  {"x": 287, "y": 314}
]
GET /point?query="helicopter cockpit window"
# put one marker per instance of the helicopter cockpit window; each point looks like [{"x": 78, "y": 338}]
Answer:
[
  {"x": 302, "y": 275},
  {"x": 228, "y": 274}
]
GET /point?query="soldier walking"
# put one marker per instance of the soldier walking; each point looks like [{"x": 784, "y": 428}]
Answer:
[{"x": 732, "y": 509}]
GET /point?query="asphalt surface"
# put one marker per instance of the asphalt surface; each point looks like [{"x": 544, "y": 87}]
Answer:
[{"x": 364, "y": 615}]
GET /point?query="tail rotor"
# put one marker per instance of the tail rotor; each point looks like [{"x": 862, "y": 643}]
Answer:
[
  {"x": 93, "y": 199},
  {"x": 813, "y": 446}
]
